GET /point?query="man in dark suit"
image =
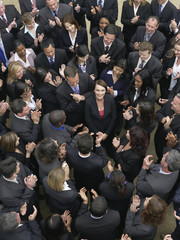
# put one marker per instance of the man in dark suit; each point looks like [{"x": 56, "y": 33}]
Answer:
[
  {"x": 51, "y": 18},
  {"x": 16, "y": 183},
  {"x": 6, "y": 40},
  {"x": 26, "y": 125},
  {"x": 151, "y": 34},
  {"x": 79, "y": 10},
  {"x": 51, "y": 57},
  {"x": 107, "y": 48},
  {"x": 72, "y": 93},
  {"x": 88, "y": 166},
  {"x": 158, "y": 178},
  {"x": 97, "y": 223},
  {"x": 97, "y": 8},
  {"x": 10, "y": 19},
  {"x": 164, "y": 10},
  {"x": 169, "y": 120},
  {"x": 145, "y": 59},
  {"x": 11, "y": 226},
  {"x": 32, "y": 6}
]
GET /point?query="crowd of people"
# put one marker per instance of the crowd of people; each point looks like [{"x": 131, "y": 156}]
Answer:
[{"x": 70, "y": 104}]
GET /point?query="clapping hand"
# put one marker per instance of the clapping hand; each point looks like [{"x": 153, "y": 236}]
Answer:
[
  {"x": 147, "y": 162},
  {"x": 82, "y": 193}
]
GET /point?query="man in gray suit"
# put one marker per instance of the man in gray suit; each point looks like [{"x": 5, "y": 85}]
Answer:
[
  {"x": 158, "y": 178},
  {"x": 51, "y": 17}
]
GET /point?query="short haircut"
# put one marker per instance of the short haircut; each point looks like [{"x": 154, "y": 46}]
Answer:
[
  {"x": 82, "y": 50},
  {"x": 146, "y": 46},
  {"x": 122, "y": 63},
  {"x": 85, "y": 143},
  {"x": 54, "y": 227},
  {"x": 56, "y": 117},
  {"x": 70, "y": 71},
  {"x": 46, "y": 42},
  {"x": 101, "y": 83},
  {"x": 20, "y": 88},
  {"x": 173, "y": 160},
  {"x": 56, "y": 179},
  {"x": 17, "y": 106},
  {"x": 111, "y": 29},
  {"x": 27, "y": 18},
  {"x": 47, "y": 151},
  {"x": 98, "y": 206},
  {"x": 17, "y": 43},
  {"x": 153, "y": 17},
  {"x": 8, "y": 167},
  {"x": 8, "y": 221}
]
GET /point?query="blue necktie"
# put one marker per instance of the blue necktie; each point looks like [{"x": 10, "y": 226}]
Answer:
[
  {"x": 141, "y": 64},
  {"x": 51, "y": 61},
  {"x": 160, "y": 9},
  {"x": 2, "y": 56},
  {"x": 76, "y": 90}
]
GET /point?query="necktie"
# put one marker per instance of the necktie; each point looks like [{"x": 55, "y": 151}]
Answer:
[
  {"x": 141, "y": 64},
  {"x": 146, "y": 37},
  {"x": 100, "y": 4},
  {"x": 76, "y": 90},
  {"x": 4, "y": 19},
  {"x": 106, "y": 49},
  {"x": 55, "y": 14},
  {"x": 51, "y": 61},
  {"x": 160, "y": 9},
  {"x": 34, "y": 3},
  {"x": 2, "y": 56}
]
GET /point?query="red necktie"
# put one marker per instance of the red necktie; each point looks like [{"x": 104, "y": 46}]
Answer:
[{"x": 4, "y": 19}]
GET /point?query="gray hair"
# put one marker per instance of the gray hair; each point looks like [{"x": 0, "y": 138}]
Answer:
[
  {"x": 173, "y": 160},
  {"x": 8, "y": 221}
]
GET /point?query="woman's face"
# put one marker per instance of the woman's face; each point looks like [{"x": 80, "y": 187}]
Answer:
[
  {"x": 177, "y": 37},
  {"x": 147, "y": 201},
  {"x": 17, "y": 141},
  {"x": 117, "y": 71},
  {"x": 21, "y": 50},
  {"x": 48, "y": 77},
  {"x": 19, "y": 72},
  {"x": 99, "y": 92},
  {"x": 31, "y": 24},
  {"x": 70, "y": 27},
  {"x": 177, "y": 50},
  {"x": 83, "y": 59},
  {"x": 103, "y": 23},
  {"x": 128, "y": 135},
  {"x": 138, "y": 82}
]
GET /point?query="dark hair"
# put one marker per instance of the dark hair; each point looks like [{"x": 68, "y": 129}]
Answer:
[
  {"x": 8, "y": 167},
  {"x": 117, "y": 180},
  {"x": 54, "y": 227},
  {"x": 98, "y": 206},
  {"x": 70, "y": 71},
  {"x": 46, "y": 42},
  {"x": 147, "y": 112},
  {"x": 40, "y": 75},
  {"x": 146, "y": 46},
  {"x": 102, "y": 83},
  {"x": 109, "y": 18},
  {"x": 8, "y": 221},
  {"x": 155, "y": 211},
  {"x": 153, "y": 17},
  {"x": 56, "y": 117},
  {"x": 20, "y": 88},
  {"x": 138, "y": 140},
  {"x": 17, "y": 106},
  {"x": 111, "y": 29},
  {"x": 68, "y": 18},
  {"x": 146, "y": 77},
  {"x": 122, "y": 63},
  {"x": 47, "y": 151},
  {"x": 17, "y": 43},
  {"x": 80, "y": 51},
  {"x": 85, "y": 143}
]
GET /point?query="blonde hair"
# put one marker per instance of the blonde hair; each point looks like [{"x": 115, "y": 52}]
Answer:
[
  {"x": 27, "y": 18},
  {"x": 12, "y": 69},
  {"x": 56, "y": 179},
  {"x": 143, "y": 3},
  {"x": 8, "y": 141}
]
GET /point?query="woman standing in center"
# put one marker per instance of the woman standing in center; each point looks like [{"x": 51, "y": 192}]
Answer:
[{"x": 100, "y": 113}]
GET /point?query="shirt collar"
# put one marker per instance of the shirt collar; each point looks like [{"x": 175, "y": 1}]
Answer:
[
  {"x": 35, "y": 27},
  {"x": 84, "y": 156},
  {"x": 96, "y": 217},
  {"x": 24, "y": 117},
  {"x": 59, "y": 128}
]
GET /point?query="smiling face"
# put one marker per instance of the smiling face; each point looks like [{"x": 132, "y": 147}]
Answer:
[
  {"x": 2, "y": 9},
  {"x": 109, "y": 38},
  {"x": 103, "y": 23},
  {"x": 144, "y": 54},
  {"x": 177, "y": 50},
  {"x": 100, "y": 92},
  {"x": 52, "y": 4},
  {"x": 175, "y": 105},
  {"x": 50, "y": 51},
  {"x": 118, "y": 70},
  {"x": 70, "y": 27},
  {"x": 31, "y": 24},
  {"x": 151, "y": 25},
  {"x": 73, "y": 81},
  {"x": 138, "y": 82},
  {"x": 19, "y": 72},
  {"x": 21, "y": 50}
]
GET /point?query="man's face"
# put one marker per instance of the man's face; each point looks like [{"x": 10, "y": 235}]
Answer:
[
  {"x": 52, "y": 4},
  {"x": 161, "y": 1},
  {"x": 144, "y": 54},
  {"x": 175, "y": 105},
  {"x": 163, "y": 162},
  {"x": 50, "y": 51},
  {"x": 2, "y": 9},
  {"x": 151, "y": 25},
  {"x": 17, "y": 168},
  {"x": 73, "y": 82},
  {"x": 25, "y": 111},
  {"x": 109, "y": 38}
]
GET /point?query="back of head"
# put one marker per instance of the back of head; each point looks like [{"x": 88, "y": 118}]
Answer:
[
  {"x": 85, "y": 143},
  {"x": 82, "y": 50},
  {"x": 17, "y": 106},
  {"x": 8, "y": 222},
  {"x": 110, "y": 29},
  {"x": 70, "y": 71},
  {"x": 8, "y": 167},
  {"x": 8, "y": 141},
  {"x": 46, "y": 42},
  {"x": 47, "y": 151},
  {"x": 54, "y": 227},
  {"x": 117, "y": 180},
  {"x": 173, "y": 160},
  {"x": 20, "y": 88},
  {"x": 56, "y": 179},
  {"x": 57, "y": 117},
  {"x": 147, "y": 114},
  {"x": 146, "y": 46},
  {"x": 98, "y": 206}
]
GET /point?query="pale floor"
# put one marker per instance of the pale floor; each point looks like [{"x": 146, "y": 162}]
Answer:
[{"x": 169, "y": 225}]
